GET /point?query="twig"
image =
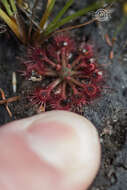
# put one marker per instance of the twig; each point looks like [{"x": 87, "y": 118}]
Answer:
[
  {"x": 76, "y": 26},
  {"x": 6, "y": 101},
  {"x": 9, "y": 100}
]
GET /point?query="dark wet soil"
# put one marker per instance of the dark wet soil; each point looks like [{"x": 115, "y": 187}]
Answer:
[{"x": 108, "y": 113}]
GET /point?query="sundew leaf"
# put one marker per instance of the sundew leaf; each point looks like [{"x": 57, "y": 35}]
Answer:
[
  {"x": 47, "y": 13},
  {"x": 60, "y": 14}
]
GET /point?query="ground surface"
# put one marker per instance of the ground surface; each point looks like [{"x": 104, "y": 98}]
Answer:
[{"x": 108, "y": 113}]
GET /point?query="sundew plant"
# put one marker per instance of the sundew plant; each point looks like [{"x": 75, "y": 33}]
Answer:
[{"x": 65, "y": 71}]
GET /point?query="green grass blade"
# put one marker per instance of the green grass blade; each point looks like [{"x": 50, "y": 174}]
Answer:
[
  {"x": 74, "y": 16},
  {"x": 47, "y": 13},
  {"x": 12, "y": 2},
  {"x": 7, "y": 7},
  {"x": 13, "y": 26},
  {"x": 60, "y": 14}
]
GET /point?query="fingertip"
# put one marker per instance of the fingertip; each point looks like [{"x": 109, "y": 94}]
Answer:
[
  {"x": 66, "y": 141},
  {"x": 75, "y": 144}
]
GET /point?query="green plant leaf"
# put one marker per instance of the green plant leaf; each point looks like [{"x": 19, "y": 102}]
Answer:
[
  {"x": 60, "y": 14},
  {"x": 47, "y": 13},
  {"x": 56, "y": 25},
  {"x": 7, "y": 7},
  {"x": 72, "y": 17},
  {"x": 10, "y": 22},
  {"x": 12, "y": 2}
]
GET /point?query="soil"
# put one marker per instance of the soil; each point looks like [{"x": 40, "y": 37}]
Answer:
[{"x": 108, "y": 113}]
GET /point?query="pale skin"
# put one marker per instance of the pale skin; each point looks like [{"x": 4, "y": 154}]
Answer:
[{"x": 57, "y": 150}]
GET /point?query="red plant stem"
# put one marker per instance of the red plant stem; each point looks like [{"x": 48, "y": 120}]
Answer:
[
  {"x": 77, "y": 61},
  {"x": 49, "y": 62},
  {"x": 75, "y": 82},
  {"x": 80, "y": 65},
  {"x": 27, "y": 62},
  {"x": 64, "y": 61},
  {"x": 75, "y": 91},
  {"x": 77, "y": 73},
  {"x": 50, "y": 73},
  {"x": 58, "y": 57},
  {"x": 54, "y": 84},
  {"x": 83, "y": 76},
  {"x": 64, "y": 90},
  {"x": 35, "y": 101}
]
